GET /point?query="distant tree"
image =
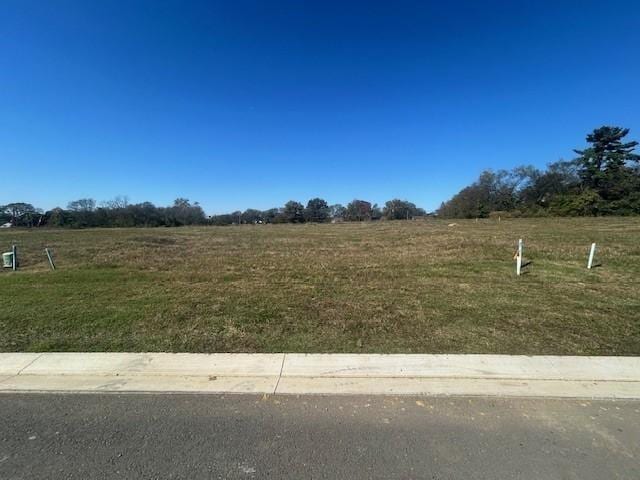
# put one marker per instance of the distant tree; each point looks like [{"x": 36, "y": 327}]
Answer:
[
  {"x": 80, "y": 212},
  {"x": 293, "y": 212},
  {"x": 603, "y": 180},
  {"x": 56, "y": 217},
  {"x": 337, "y": 211},
  {"x": 543, "y": 186},
  {"x": 224, "y": 219},
  {"x": 82, "y": 205},
  {"x": 583, "y": 203},
  {"x": 317, "y": 210},
  {"x": 20, "y": 214},
  {"x": 121, "y": 201},
  {"x": 184, "y": 213},
  {"x": 376, "y": 212},
  {"x": 358, "y": 210},
  {"x": 470, "y": 202},
  {"x": 271, "y": 215},
  {"x": 197, "y": 216},
  {"x": 251, "y": 215},
  {"x": 399, "y": 210},
  {"x": 181, "y": 202},
  {"x": 608, "y": 165},
  {"x": 237, "y": 216},
  {"x": 146, "y": 214},
  {"x": 493, "y": 191}
]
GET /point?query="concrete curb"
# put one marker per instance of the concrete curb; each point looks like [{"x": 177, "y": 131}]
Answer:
[{"x": 485, "y": 375}]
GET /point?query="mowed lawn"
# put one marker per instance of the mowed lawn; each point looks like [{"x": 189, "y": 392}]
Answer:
[{"x": 409, "y": 286}]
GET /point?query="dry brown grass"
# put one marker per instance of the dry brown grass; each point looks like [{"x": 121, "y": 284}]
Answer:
[{"x": 371, "y": 287}]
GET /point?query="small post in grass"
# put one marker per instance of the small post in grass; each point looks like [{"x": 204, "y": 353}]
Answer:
[
  {"x": 14, "y": 251},
  {"x": 592, "y": 252},
  {"x": 519, "y": 258},
  {"x": 53, "y": 266}
]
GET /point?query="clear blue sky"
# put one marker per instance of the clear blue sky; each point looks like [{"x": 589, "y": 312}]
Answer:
[{"x": 251, "y": 103}]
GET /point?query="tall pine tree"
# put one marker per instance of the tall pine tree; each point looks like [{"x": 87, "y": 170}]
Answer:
[{"x": 607, "y": 165}]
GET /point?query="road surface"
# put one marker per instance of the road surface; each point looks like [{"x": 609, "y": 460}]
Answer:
[{"x": 248, "y": 437}]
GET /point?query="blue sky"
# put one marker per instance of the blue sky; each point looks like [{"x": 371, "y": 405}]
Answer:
[{"x": 251, "y": 103}]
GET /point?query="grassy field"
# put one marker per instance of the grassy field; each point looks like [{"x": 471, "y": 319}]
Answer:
[{"x": 418, "y": 286}]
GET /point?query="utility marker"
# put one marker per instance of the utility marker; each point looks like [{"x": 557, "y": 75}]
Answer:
[
  {"x": 592, "y": 252},
  {"x": 53, "y": 267},
  {"x": 14, "y": 250},
  {"x": 519, "y": 258}
]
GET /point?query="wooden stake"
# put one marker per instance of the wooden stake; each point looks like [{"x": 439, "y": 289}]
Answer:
[
  {"x": 592, "y": 252},
  {"x": 53, "y": 267}
]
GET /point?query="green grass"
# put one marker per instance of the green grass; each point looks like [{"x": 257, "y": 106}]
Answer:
[{"x": 371, "y": 287}]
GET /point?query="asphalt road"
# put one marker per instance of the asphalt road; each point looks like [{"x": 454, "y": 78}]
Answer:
[{"x": 246, "y": 437}]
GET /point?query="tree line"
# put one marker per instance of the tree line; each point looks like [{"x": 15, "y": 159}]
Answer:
[
  {"x": 318, "y": 210},
  {"x": 86, "y": 213},
  {"x": 604, "y": 179}
]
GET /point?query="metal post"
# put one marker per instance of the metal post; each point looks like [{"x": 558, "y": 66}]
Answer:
[
  {"x": 53, "y": 267},
  {"x": 592, "y": 252},
  {"x": 14, "y": 250}
]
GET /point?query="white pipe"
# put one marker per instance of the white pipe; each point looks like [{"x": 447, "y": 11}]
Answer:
[
  {"x": 592, "y": 252},
  {"x": 519, "y": 258}
]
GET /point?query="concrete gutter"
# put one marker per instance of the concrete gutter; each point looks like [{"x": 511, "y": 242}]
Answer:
[{"x": 483, "y": 375}]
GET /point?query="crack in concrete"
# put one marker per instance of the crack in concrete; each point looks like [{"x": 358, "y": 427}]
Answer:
[{"x": 275, "y": 390}]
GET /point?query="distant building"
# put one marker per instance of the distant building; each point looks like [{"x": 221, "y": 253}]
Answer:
[{"x": 6, "y": 225}]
